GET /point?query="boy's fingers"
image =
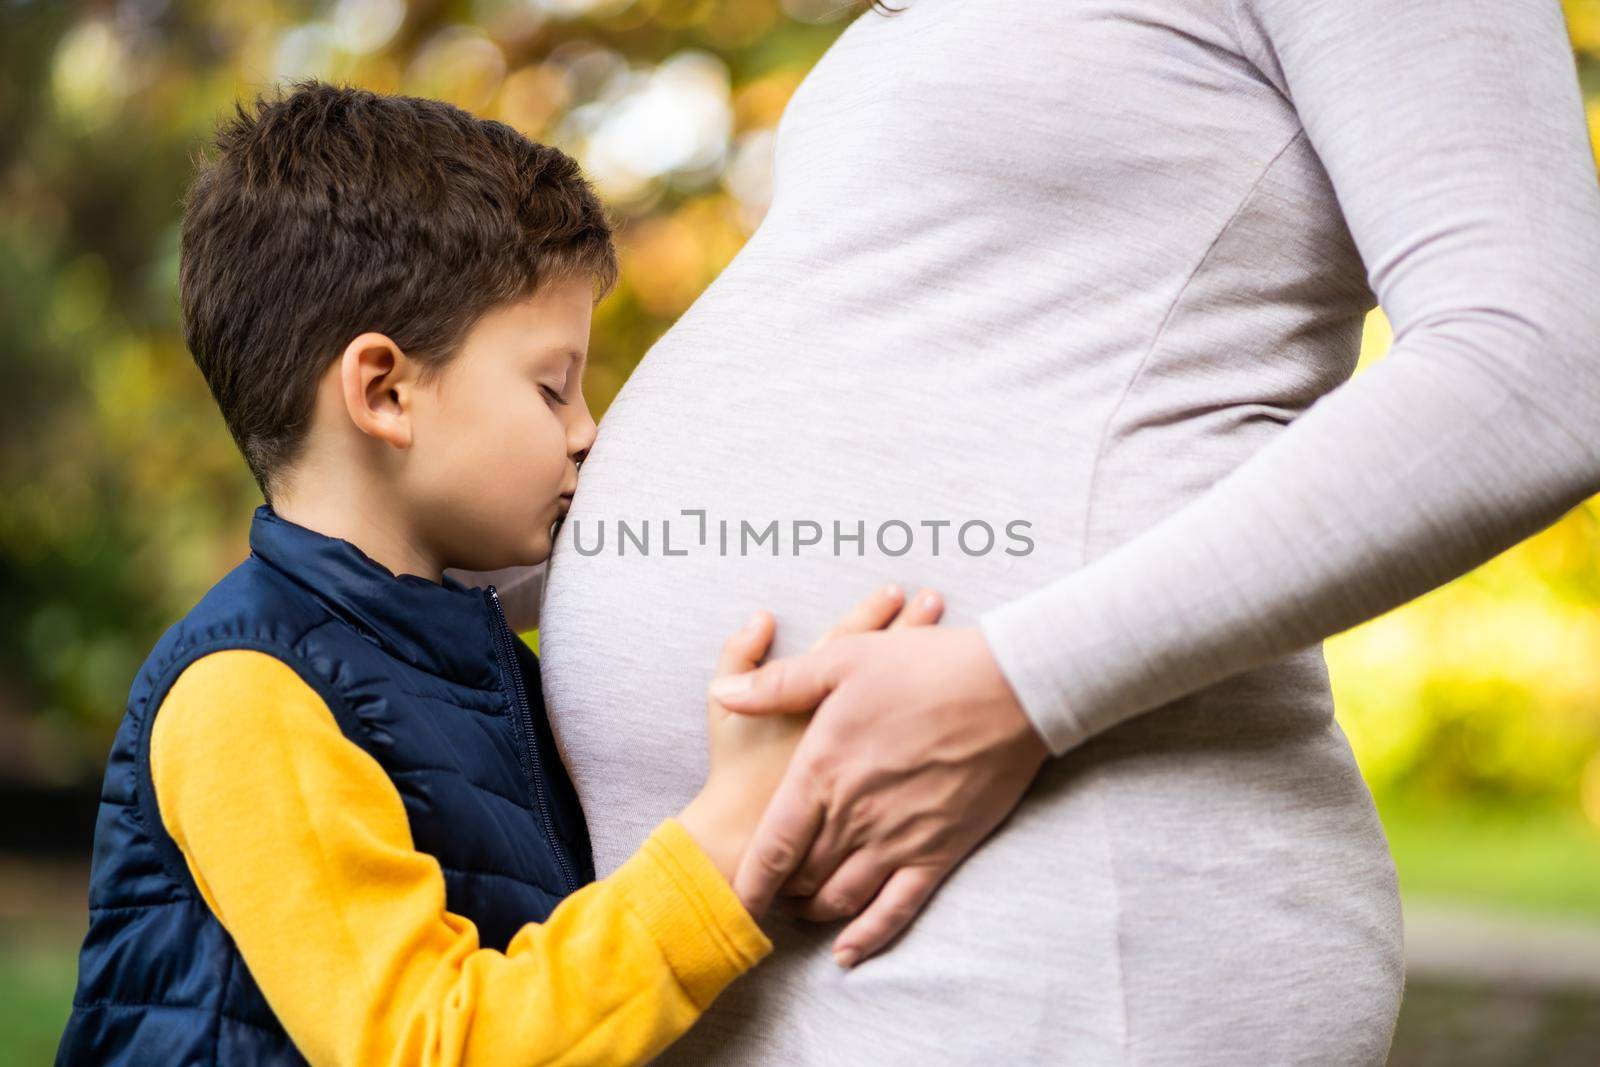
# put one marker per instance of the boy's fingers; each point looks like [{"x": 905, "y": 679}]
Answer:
[
  {"x": 923, "y": 609},
  {"x": 873, "y": 613},
  {"x": 745, "y": 647},
  {"x": 891, "y": 911}
]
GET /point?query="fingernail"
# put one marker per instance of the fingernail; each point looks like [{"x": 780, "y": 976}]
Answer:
[
  {"x": 753, "y": 622},
  {"x": 892, "y": 592},
  {"x": 846, "y": 958},
  {"x": 731, "y": 686},
  {"x": 930, "y": 601}
]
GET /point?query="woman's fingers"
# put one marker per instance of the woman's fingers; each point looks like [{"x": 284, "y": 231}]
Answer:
[
  {"x": 743, "y": 650},
  {"x": 781, "y": 841},
  {"x": 873, "y": 613},
  {"x": 784, "y": 686},
  {"x": 846, "y": 891},
  {"x": 800, "y": 682},
  {"x": 886, "y": 607},
  {"x": 923, "y": 609},
  {"x": 891, "y": 911}
]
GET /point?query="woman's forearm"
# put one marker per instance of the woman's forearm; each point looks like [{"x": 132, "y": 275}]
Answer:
[{"x": 1454, "y": 136}]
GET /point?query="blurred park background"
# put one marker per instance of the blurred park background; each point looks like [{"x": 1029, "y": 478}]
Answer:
[{"x": 1475, "y": 710}]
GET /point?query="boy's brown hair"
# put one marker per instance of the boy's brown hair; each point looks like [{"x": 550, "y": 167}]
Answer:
[{"x": 332, "y": 211}]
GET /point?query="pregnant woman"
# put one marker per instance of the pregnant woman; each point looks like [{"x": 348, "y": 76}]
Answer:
[{"x": 1099, "y": 269}]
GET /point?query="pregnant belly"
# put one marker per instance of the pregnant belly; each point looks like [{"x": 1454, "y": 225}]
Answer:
[
  {"x": 1226, "y": 840},
  {"x": 773, "y": 477}
]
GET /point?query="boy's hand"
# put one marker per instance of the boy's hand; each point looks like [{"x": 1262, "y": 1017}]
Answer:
[{"x": 750, "y": 753}]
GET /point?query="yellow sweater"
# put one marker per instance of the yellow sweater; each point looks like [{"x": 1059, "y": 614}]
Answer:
[{"x": 300, "y": 845}]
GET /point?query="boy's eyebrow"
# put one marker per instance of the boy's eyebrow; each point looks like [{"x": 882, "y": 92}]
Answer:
[{"x": 572, "y": 356}]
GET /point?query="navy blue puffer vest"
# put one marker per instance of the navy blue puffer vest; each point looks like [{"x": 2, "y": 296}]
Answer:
[{"x": 428, "y": 679}]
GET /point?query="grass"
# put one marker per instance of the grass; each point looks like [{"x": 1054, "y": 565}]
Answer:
[
  {"x": 1538, "y": 860},
  {"x": 36, "y": 980}
]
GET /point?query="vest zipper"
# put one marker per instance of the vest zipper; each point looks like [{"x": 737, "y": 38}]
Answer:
[{"x": 519, "y": 696}]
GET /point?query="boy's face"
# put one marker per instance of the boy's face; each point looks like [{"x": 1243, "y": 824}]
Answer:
[{"x": 498, "y": 435}]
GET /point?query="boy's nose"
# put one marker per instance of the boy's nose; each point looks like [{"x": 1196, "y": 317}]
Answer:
[{"x": 581, "y": 439}]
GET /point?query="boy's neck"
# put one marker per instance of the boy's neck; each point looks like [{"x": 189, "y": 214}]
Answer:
[{"x": 384, "y": 537}]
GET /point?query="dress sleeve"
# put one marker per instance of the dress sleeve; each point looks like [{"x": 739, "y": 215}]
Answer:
[
  {"x": 300, "y": 845},
  {"x": 1454, "y": 135}
]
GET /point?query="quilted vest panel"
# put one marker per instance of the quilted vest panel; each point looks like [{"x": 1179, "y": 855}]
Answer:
[{"x": 430, "y": 681}]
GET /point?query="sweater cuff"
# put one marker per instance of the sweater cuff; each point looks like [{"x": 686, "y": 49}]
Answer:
[
  {"x": 699, "y": 923},
  {"x": 1032, "y": 665}
]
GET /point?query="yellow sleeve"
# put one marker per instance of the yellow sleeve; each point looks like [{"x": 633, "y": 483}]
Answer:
[{"x": 299, "y": 843}]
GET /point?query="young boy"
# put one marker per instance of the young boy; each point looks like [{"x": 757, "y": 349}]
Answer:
[{"x": 334, "y": 826}]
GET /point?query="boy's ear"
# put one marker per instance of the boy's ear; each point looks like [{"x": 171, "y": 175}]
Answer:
[{"x": 377, "y": 381}]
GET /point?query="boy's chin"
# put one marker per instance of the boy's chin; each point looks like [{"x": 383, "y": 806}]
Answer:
[
  {"x": 537, "y": 551},
  {"x": 531, "y": 553}
]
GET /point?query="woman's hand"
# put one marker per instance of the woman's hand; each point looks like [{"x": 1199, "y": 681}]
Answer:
[
  {"x": 918, "y": 749},
  {"x": 749, "y": 754}
]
